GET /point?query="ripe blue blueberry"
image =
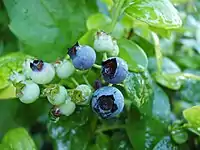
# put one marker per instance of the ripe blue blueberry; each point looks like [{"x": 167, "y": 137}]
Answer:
[
  {"x": 107, "y": 102},
  {"x": 114, "y": 70},
  {"x": 83, "y": 57}
]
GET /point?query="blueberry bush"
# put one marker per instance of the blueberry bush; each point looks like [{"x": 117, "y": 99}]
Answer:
[{"x": 99, "y": 75}]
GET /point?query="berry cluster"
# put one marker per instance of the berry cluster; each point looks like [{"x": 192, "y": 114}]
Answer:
[{"x": 37, "y": 80}]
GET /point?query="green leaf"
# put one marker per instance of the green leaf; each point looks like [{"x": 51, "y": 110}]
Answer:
[
  {"x": 19, "y": 139},
  {"x": 161, "y": 106},
  {"x": 190, "y": 89},
  {"x": 139, "y": 89},
  {"x": 132, "y": 54},
  {"x": 119, "y": 141},
  {"x": 4, "y": 147},
  {"x": 185, "y": 60},
  {"x": 157, "y": 13},
  {"x": 102, "y": 22},
  {"x": 171, "y": 81},
  {"x": 168, "y": 66},
  {"x": 98, "y": 21},
  {"x": 8, "y": 92},
  {"x": 166, "y": 144},
  {"x": 9, "y": 63},
  {"x": 167, "y": 78},
  {"x": 143, "y": 132},
  {"x": 8, "y": 111},
  {"x": 88, "y": 38},
  {"x": 144, "y": 44},
  {"x": 77, "y": 138},
  {"x": 102, "y": 142},
  {"x": 73, "y": 132},
  {"x": 192, "y": 115},
  {"x": 58, "y": 26}
]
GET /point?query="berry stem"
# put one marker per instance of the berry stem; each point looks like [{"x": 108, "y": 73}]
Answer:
[
  {"x": 157, "y": 52},
  {"x": 114, "y": 127},
  {"x": 74, "y": 81},
  {"x": 86, "y": 81},
  {"x": 105, "y": 57},
  {"x": 97, "y": 66},
  {"x": 117, "y": 11}
]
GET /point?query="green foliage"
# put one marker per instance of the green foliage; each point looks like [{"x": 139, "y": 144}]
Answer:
[
  {"x": 133, "y": 54},
  {"x": 191, "y": 115},
  {"x": 58, "y": 25},
  {"x": 160, "y": 91},
  {"x": 18, "y": 139},
  {"x": 160, "y": 14},
  {"x": 8, "y": 64}
]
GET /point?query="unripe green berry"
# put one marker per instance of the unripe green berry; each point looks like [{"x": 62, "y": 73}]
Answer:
[
  {"x": 64, "y": 69},
  {"x": 29, "y": 92},
  {"x": 67, "y": 108},
  {"x": 103, "y": 42},
  {"x": 56, "y": 94},
  {"x": 86, "y": 94},
  {"x": 42, "y": 73}
]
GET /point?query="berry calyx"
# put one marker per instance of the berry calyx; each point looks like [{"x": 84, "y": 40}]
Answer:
[
  {"x": 86, "y": 94},
  {"x": 37, "y": 65},
  {"x": 114, "y": 70},
  {"x": 56, "y": 94},
  {"x": 54, "y": 114}
]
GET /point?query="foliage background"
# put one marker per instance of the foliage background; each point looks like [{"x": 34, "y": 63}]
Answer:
[{"x": 180, "y": 48}]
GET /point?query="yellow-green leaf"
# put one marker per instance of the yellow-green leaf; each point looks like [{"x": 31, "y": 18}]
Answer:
[{"x": 192, "y": 115}]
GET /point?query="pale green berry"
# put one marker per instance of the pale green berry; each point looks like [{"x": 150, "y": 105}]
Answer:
[
  {"x": 57, "y": 95},
  {"x": 64, "y": 69},
  {"x": 86, "y": 94},
  {"x": 42, "y": 73},
  {"x": 103, "y": 42},
  {"x": 17, "y": 77},
  {"x": 67, "y": 108},
  {"x": 115, "y": 51},
  {"x": 29, "y": 93}
]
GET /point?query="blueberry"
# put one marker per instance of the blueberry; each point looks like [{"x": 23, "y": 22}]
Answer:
[
  {"x": 114, "y": 70},
  {"x": 107, "y": 102},
  {"x": 67, "y": 108},
  {"x": 64, "y": 69},
  {"x": 103, "y": 42},
  {"x": 28, "y": 92},
  {"x": 42, "y": 72},
  {"x": 83, "y": 57}
]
